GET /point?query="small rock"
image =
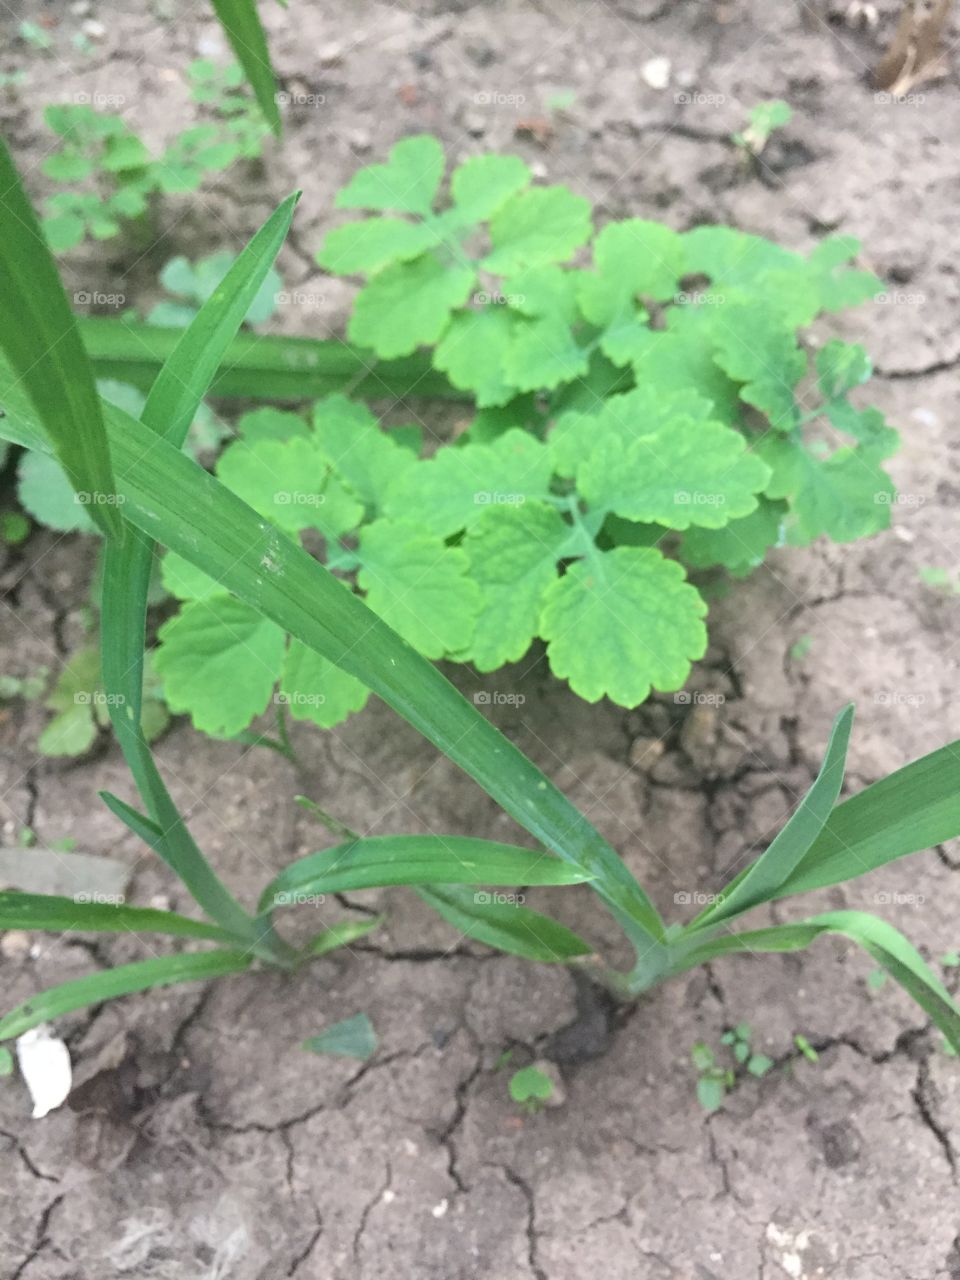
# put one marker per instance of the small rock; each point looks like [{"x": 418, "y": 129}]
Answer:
[
  {"x": 80, "y": 8},
  {"x": 645, "y": 752},
  {"x": 656, "y": 72},
  {"x": 15, "y": 944},
  {"x": 93, "y": 29},
  {"x": 359, "y": 140},
  {"x": 330, "y": 55},
  {"x": 475, "y": 124}
]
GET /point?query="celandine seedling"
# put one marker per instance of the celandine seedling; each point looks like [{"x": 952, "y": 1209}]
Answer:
[
  {"x": 143, "y": 488},
  {"x": 639, "y": 420},
  {"x": 107, "y": 174}
]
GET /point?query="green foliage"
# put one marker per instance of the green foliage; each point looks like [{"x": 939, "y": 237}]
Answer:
[
  {"x": 553, "y": 517},
  {"x": 81, "y": 707},
  {"x": 763, "y": 120},
  {"x": 192, "y": 283},
  {"x": 715, "y": 1079},
  {"x": 530, "y": 1088},
  {"x": 352, "y": 1038},
  {"x": 806, "y": 1048},
  {"x": 556, "y": 515},
  {"x": 245, "y": 567},
  {"x": 108, "y": 175}
]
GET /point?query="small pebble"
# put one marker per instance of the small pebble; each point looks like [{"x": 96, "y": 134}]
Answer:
[
  {"x": 656, "y": 72},
  {"x": 15, "y": 944}
]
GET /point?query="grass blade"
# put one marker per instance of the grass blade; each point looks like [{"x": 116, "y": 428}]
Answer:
[
  {"x": 915, "y": 808},
  {"x": 40, "y": 338},
  {"x": 241, "y": 22},
  {"x": 121, "y": 981},
  {"x": 885, "y": 944},
  {"x": 341, "y": 935},
  {"x": 506, "y": 926},
  {"x": 169, "y": 410},
  {"x": 172, "y": 499},
  {"x": 763, "y": 879},
  {"x": 423, "y": 860},
  {"x": 52, "y": 913},
  {"x": 268, "y": 367}
]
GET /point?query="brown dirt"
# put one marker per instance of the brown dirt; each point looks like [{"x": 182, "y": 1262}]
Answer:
[{"x": 205, "y": 1142}]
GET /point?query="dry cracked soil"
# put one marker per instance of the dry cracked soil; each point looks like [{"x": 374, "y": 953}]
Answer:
[{"x": 201, "y": 1140}]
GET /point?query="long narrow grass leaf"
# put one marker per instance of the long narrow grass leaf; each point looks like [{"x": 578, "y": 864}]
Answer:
[
  {"x": 169, "y": 410},
  {"x": 424, "y": 860},
  {"x": 504, "y": 925},
  {"x": 763, "y": 879},
  {"x": 39, "y": 335},
  {"x": 915, "y": 808},
  {"x": 265, "y": 367},
  {"x": 52, "y": 913},
  {"x": 182, "y": 506},
  {"x": 885, "y": 944},
  {"x": 341, "y": 935},
  {"x": 126, "y": 978},
  {"x": 241, "y": 21}
]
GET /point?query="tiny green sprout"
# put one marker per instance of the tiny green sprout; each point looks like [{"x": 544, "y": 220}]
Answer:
[
  {"x": 950, "y": 959},
  {"x": 713, "y": 1080},
  {"x": 876, "y": 978},
  {"x": 35, "y": 36},
  {"x": 352, "y": 1038},
  {"x": 530, "y": 1088},
  {"x": 806, "y": 1048},
  {"x": 14, "y": 527},
  {"x": 763, "y": 120},
  {"x": 562, "y": 100},
  {"x": 738, "y": 1042},
  {"x": 65, "y": 845},
  {"x": 28, "y": 687},
  {"x": 27, "y": 838},
  {"x": 801, "y": 648},
  {"x": 504, "y": 1060},
  {"x": 6, "y": 1062},
  {"x": 938, "y": 579},
  {"x": 12, "y": 80}
]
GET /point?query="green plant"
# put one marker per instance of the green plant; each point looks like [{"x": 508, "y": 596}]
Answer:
[
  {"x": 81, "y": 706},
  {"x": 806, "y": 1048},
  {"x": 530, "y": 1088},
  {"x": 36, "y": 37},
  {"x": 109, "y": 175},
  {"x": 609, "y": 457},
  {"x": 714, "y": 1079},
  {"x": 143, "y": 487},
  {"x": 763, "y": 121},
  {"x": 352, "y": 1038},
  {"x": 241, "y": 23},
  {"x": 191, "y": 284}
]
